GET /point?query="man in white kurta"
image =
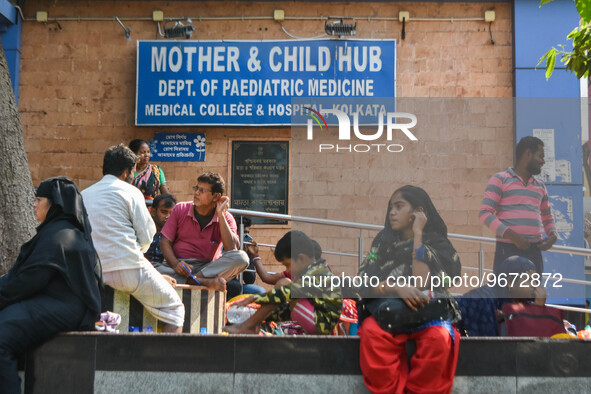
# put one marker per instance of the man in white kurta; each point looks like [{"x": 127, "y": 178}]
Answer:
[{"x": 122, "y": 230}]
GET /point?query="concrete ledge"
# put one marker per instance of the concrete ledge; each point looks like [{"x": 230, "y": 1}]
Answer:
[
  {"x": 169, "y": 363},
  {"x": 109, "y": 382}
]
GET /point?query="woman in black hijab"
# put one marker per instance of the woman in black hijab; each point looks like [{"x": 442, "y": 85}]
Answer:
[{"x": 54, "y": 285}]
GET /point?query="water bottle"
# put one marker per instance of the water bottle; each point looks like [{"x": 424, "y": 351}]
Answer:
[
  {"x": 239, "y": 314},
  {"x": 429, "y": 293}
]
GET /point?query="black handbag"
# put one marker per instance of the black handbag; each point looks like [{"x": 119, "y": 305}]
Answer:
[{"x": 395, "y": 317}]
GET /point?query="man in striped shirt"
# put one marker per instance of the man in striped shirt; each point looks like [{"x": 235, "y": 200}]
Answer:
[{"x": 516, "y": 207}]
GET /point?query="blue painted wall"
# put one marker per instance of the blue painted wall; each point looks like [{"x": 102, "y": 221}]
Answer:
[
  {"x": 10, "y": 35},
  {"x": 552, "y": 104},
  {"x": 537, "y": 29}
]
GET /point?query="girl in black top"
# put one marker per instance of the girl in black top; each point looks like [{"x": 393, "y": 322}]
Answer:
[{"x": 413, "y": 243}]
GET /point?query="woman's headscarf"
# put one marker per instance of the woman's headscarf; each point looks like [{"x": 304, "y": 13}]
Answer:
[
  {"x": 434, "y": 235},
  {"x": 418, "y": 197},
  {"x": 63, "y": 242},
  {"x": 66, "y": 201}
]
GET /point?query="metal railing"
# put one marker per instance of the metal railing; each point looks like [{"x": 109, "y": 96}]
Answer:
[{"x": 365, "y": 226}]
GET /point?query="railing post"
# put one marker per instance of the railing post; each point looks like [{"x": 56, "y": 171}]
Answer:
[
  {"x": 360, "y": 256},
  {"x": 241, "y": 235},
  {"x": 480, "y": 262}
]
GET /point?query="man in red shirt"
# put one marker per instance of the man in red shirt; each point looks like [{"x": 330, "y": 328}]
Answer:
[
  {"x": 516, "y": 207},
  {"x": 193, "y": 236}
]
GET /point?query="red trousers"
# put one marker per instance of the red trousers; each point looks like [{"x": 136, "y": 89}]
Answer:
[{"x": 384, "y": 362}]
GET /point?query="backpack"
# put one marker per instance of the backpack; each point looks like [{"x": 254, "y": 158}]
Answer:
[{"x": 530, "y": 320}]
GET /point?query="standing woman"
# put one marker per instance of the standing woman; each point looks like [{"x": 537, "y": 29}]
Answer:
[
  {"x": 54, "y": 285},
  {"x": 149, "y": 178},
  {"x": 413, "y": 243}
]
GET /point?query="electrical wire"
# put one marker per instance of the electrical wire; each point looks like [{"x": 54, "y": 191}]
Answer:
[
  {"x": 245, "y": 18},
  {"x": 20, "y": 11},
  {"x": 301, "y": 38}
]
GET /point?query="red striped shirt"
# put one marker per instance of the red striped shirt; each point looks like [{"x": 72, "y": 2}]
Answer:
[{"x": 510, "y": 203}]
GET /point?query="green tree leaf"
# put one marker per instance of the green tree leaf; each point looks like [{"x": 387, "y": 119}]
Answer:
[
  {"x": 578, "y": 60},
  {"x": 550, "y": 62},
  {"x": 584, "y": 8}
]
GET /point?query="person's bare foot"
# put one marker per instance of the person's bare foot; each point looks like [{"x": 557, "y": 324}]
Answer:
[
  {"x": 216, "y": 284},
  {"x": 242, "y": 328}
]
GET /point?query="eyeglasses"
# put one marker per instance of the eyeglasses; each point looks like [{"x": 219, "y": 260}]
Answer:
[{"x": 200, "y": 189}]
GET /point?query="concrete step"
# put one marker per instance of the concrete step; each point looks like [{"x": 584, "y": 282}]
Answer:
[{"x": 186, "y": 363}]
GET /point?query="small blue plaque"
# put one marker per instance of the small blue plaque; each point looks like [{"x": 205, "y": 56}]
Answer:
[{"x": 178, "y": 147}]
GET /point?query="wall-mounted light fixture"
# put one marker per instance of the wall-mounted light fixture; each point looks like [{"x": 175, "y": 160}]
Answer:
[
  {"x": 335, "y": 26},
  {"x": 177, "y": 28}
]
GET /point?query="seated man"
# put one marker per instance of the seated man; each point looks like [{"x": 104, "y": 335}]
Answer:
[
  {"x": 160, "y": 211},
  {"x": 195, "y": 232},
  {"x": 122, "y": 230}
]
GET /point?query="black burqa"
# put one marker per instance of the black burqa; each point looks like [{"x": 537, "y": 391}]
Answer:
[{"x": 54, "y": 286}]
